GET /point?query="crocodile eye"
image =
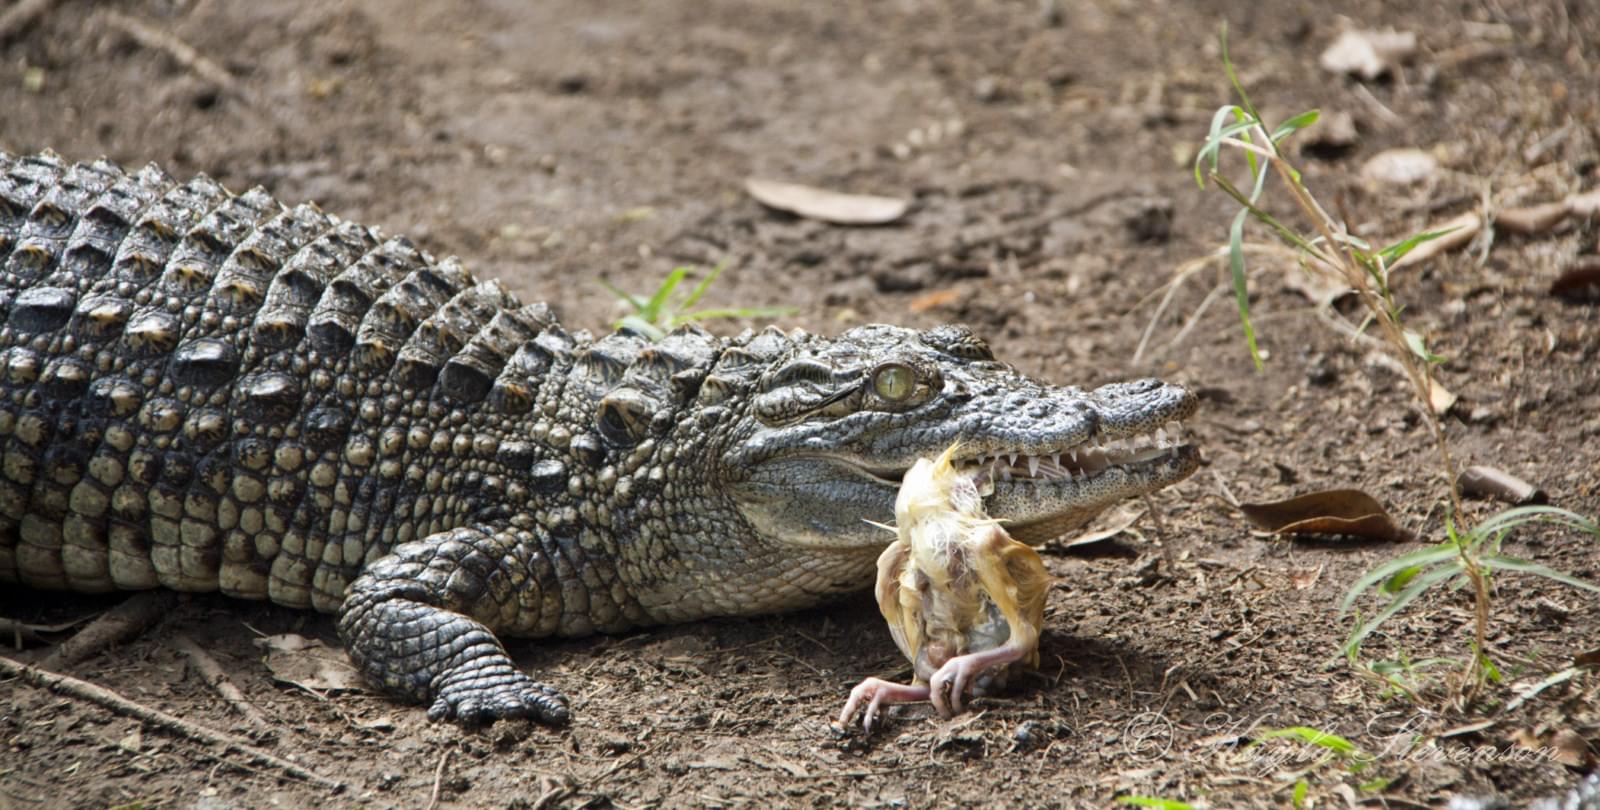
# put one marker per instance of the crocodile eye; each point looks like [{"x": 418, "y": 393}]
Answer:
[{"x": 894, "y": 381}]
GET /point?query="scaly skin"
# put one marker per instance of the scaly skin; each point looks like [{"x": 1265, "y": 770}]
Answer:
[{"x": 209, "y": 392}]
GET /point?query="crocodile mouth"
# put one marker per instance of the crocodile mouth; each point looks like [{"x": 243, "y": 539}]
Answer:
[
  {"x": 1042, "y": 493},
  {"x": 1081, "y": 462}
]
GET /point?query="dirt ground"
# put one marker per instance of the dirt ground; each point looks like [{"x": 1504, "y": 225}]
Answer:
[{"x": 1046, "y": 155}]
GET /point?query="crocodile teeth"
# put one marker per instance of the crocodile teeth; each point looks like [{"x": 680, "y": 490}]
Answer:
[
  {"x": 1161, "y": 437},
  {"x": 1033, "y": 466},
  {"x": 1012, "y": 459},
  {"x": 1005, "y": 473}
]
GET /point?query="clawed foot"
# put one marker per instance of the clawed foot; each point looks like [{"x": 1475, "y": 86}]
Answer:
[
  {"x": 951, "y": 681},
  {"x": 948, "y": 684},
  {"x": 482, "y": 695},
  {"x": 875, "y": 691}
]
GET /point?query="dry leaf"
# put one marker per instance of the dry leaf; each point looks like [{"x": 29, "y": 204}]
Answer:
[
  {"x": 1368, "y": 54},
  {"x": 309, "y": 664},
  {"x": 933, "y": 300},
  {"x": 133, "y": 742},
  {"x": 1440, "y": 399},
  {"x": 1488, "y": 482},
  {"x": 1580, "y": 282},
  {"x": 1461, "y": 230},
  {"x": 1524, "y": 738},
  {"x": 1333, "y": 512},
  {"x": 1304, "y": 578},
  {"x": 1571, "y": 749},
  {"x": 824, "y": 205},
  {"x": 1532, "y": 219},
  {"x": 1114, "y": 524},
  {"x": 1587, "y": 659},
  {"x": 1399, "y": 167}
]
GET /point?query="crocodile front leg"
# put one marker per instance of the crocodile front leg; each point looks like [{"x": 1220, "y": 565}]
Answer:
[{"x": 421, "y": 624}]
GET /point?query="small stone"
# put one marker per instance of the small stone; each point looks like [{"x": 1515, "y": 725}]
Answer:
[{"x": 987, "y": 89}]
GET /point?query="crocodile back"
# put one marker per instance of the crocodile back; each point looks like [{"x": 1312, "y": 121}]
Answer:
[{"x": 207, "y": 391}]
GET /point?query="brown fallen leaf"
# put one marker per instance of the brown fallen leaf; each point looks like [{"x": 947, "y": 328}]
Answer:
[
  {"x": 1304, "y": 578},
  {"x": 1532, "y": 219},
  {"x": 1526, "y": 739},
  {"x": 1461, "y": 230},
  {"x": 1488, "y": 482},
  {"x": 1332, "y": 512},
  {"x": 1587, "y": 659},
  {"x": 824, "y": 205},
  {"x": 1580, "y": 281},
  {"x": 1110, "y": 526},
  {"x": 933, "y": 300},
  {"x": 309, "y": 664},
  {"x": 1571, "y": 749}
]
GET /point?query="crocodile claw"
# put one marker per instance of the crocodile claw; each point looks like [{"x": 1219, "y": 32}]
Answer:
[{"x": 481, "y": 696}]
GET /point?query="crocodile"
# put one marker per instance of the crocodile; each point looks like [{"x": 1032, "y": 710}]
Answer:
[{"x": 209, "y": 391}]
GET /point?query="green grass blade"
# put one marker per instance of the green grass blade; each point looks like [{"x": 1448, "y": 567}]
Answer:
[
  {"x": 631, "y": 300},
  {"x": 705, "y": 284},
  {"x": 1512, "y": 518},
  {"x": 1311, "y": 736},
  {"x": 652, "y": 309},
  {"x": 642, "y": 326},
  {"x": 1212, "y": 148},
  {"x": 1233, "y": 76},
  {"x": 1295, "y": 124},
  {"x": 1418, "y": 347},
  {"x": 1423, "y": 557},
  {"x": 1522, "y": 566},
  {"x": 1393, "y": 584},
  {"x": 1241, "y": 290},
  {"x": 1412, "y": 591},
  {"x": 1152, "y": 801},
  {"x": 1396, "y": 251}
]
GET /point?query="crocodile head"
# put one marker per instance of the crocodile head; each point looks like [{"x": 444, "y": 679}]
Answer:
[{"x": 831, "y": 426}]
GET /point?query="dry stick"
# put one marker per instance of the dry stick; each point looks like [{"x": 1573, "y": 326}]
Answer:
[
  {"x": 218, "y": 680},
  {"x": 21, "y": 16},
  {"x": 111, "y": 700},
  {"x": 438, "y": 779},
  {"x": 128, "y": 619},
  {"x": 180, "y": 51}
]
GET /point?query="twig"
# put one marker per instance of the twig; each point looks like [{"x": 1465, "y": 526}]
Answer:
[
  {"x": 1383, "y": 111},
  {"x": 218, "y": 680},
  {"x": 108, "y": 699},
  {"x": 553, "y": 791},
  {"x": 180, "y": 51},
  {"x": 128, "y": 619},
  {"x": 438, "y": 779},
  {"x": 22, "y": 15}
]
